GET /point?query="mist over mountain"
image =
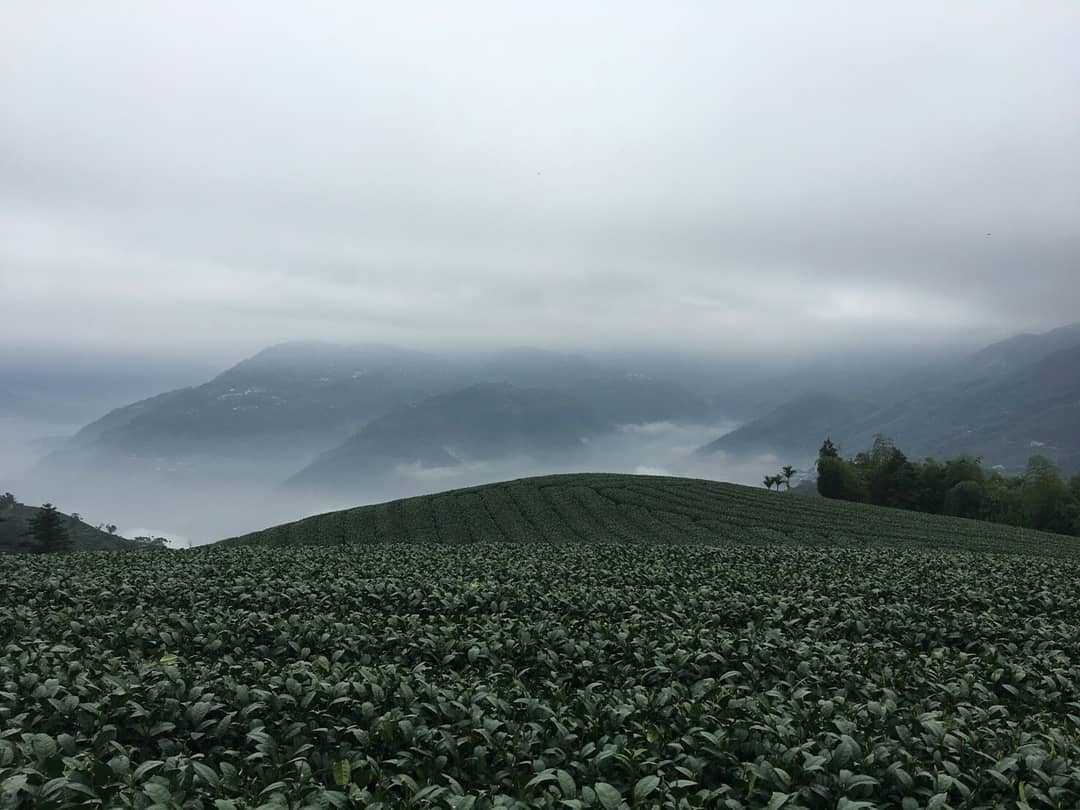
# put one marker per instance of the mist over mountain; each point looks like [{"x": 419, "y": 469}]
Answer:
[
  {"x": 302, "y": 426},
  {"x": 482, "y": 422},
  {"x": 302, "y": 394},
  {"x": 305, "y": 425},
  {"x": 242, "y": 244},
  {"x": 1009, "y": 401},
  {"x": 593, "y": 405},
  {"x": 298, "y": 425}
]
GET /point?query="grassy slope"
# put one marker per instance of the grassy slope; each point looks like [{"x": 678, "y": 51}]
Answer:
[
  {"x": 636, "y": 508},
  {"x": 14, "y": 528}
]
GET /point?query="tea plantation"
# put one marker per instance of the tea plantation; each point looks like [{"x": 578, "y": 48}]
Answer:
[
  {"x": 772, "y": 651},
  {"x": 601, "y": 507}
]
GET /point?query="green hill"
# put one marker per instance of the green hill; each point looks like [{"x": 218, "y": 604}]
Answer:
[
  {"x": 753, "y": 650},
  {"x": 601, "y": 507},
  {"x": 14, "y": 533}
]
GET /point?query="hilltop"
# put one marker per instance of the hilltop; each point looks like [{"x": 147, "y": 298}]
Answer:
[
  {"x": 14, "y": 529},
  {"x": 606, "y": 508}
]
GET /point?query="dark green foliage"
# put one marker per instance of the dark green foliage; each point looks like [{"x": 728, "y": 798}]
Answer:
[
  {"x": 150, "y": 542},
  {"x": 49, "y": 532},
  {"x": 964, "y": 500},
  {"x": 736, "y": 675},
  {"x": 1046, "y": 500},
  {"x": 889, "y": 478},
  {"x": 16, "y": 535},
  {"x": 605, "y": 507},
  {"x": 838, "y": 479},
  {"x": 1038, "y": 499}
]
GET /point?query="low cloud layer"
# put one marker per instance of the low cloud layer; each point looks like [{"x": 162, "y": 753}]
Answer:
[{"x": 759, "y": 180}]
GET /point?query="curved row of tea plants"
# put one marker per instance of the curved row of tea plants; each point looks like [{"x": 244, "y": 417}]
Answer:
[
  {"x": 603, "y": 507},
  {"x": 540, "y": 675}
]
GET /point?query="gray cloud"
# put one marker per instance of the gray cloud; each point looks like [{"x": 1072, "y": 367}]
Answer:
[{"x": 793, "y": 176}]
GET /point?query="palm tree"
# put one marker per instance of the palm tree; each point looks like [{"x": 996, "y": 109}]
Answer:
[{"x": 787, "y": 473}]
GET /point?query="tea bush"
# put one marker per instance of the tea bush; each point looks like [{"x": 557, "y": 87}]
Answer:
[
  {"x": 637, "y": 508},
  {"x": 572, "y": 675}
]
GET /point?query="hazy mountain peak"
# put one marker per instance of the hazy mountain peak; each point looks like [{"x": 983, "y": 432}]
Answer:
[{"x": 1009, "y": 354}]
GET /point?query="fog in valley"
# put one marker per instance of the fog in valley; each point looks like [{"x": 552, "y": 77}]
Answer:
[
  {"x": 196, "y": 506},
  {"x": 196, "y": 495},
  {"x": 261, "y": 261}
]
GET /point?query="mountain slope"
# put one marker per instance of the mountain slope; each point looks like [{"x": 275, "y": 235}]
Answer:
[
  {"x": 253, "y": 425},
  {"x": 1018, "y": 352},
  {"x": 611, "y": 508},
  {"x": 294, "y": 400},
  {"x": 478, "y": 423},
  {"x": 15, "y": 527},
  {"x": 1009, "y": 401},
  {"x": 799, "y": 425},
  {"x": 292, "y": 388},
  {"x": 620, "y": 395}
]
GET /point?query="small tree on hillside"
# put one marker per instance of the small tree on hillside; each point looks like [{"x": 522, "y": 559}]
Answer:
[
  {"x": 7, "y": 501},
  {"x": 152, "y": 542},
  {"x": 787, "y": 474},
  {"x": 47, "y": 528}
]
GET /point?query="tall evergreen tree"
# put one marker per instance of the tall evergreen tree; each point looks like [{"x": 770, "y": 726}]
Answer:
[{"x": 47, "y": 528}]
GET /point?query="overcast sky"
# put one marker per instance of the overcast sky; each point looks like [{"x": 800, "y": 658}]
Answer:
[{"x": 755, "y": 177}]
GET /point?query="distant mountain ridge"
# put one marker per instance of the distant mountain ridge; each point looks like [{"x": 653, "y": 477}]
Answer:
[
  {"x": 798, "y": 425},
  {"x": 1007, "y": 402},
  {"x": 292, "y": 387},
  {"x": 477, "y": 423},
  {"x": 298, "y": 404},
  {"x": 1015, "y": 353}
]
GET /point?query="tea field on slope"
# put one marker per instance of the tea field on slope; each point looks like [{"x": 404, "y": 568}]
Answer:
[
  {"x": 541, "y": 675},
  {"x": 602, "y": 507}
]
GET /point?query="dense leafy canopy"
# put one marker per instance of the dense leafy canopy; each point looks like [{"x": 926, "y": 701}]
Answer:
[
  {"x": 1039, "y": 498},
  {"x": 733, "y": 675}
]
